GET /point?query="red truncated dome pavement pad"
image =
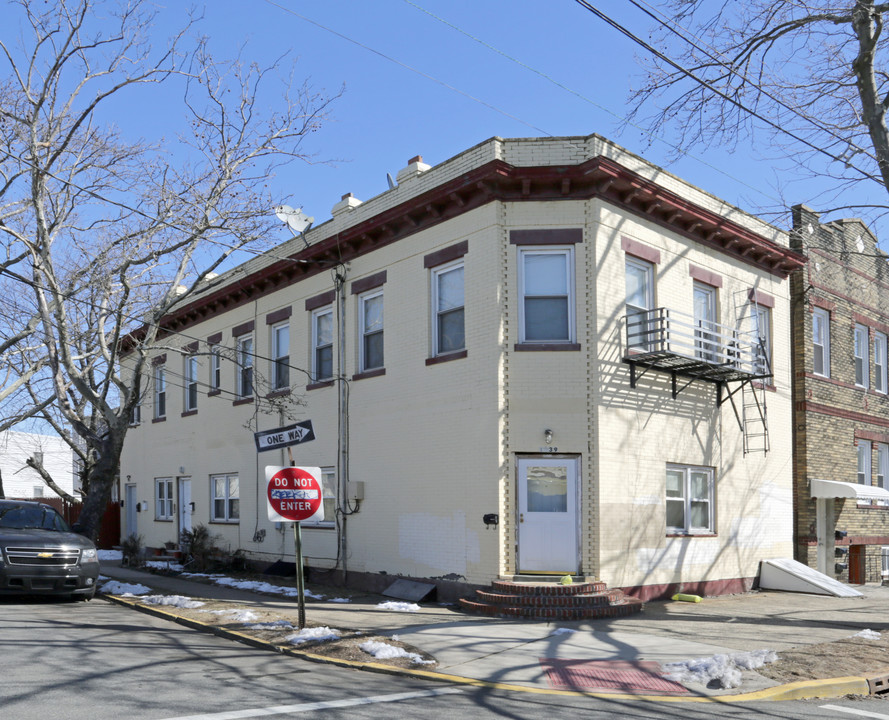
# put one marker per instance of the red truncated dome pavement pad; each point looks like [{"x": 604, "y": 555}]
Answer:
[{"x": 608, "y": 675}]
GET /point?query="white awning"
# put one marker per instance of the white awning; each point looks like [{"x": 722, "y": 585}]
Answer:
[{"x": 837, "y": 489}]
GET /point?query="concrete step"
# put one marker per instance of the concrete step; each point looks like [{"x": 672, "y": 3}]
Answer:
[
  {"x": 626, "y": 607},
  {"x": 609, "y": 597},
  {"x": 510, "y": 587}
]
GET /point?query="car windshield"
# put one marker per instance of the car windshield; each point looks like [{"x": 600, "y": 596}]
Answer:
[{"x": 31, "y": 516}]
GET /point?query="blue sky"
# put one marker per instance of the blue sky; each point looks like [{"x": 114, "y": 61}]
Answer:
[{"x": 434, "y": 77}]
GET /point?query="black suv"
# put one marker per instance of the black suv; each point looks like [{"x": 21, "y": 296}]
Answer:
[{"x": 39, "y": 554}]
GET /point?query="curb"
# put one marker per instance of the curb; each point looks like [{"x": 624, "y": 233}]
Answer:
[{"x": 800, "y": 690}]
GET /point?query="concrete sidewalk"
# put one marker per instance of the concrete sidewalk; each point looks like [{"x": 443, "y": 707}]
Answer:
[{"x": 501, "y": 652}]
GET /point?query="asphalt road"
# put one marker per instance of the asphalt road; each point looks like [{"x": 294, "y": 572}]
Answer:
[{"x": 97, "y": 661}]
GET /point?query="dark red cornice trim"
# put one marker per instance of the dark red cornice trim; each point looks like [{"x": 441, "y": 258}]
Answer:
[
  {"x": 818, "y": 409},
  {"x": 446, "y": 255},
  {"x": 705, "y": 276},
  {"x": 497, "y": 180}
]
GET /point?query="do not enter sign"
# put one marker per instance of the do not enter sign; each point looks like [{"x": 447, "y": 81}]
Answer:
[{"x": 294, "y": 494}]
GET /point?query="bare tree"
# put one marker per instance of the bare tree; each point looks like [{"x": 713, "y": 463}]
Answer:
[
  {"x": 105, "y": 234},
  {"x": 814, "y": 76}
]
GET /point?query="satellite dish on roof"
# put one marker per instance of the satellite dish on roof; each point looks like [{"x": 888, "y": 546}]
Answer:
[
  {"x": 296, "y": 220},
  {"x": 390, "y": 180}
]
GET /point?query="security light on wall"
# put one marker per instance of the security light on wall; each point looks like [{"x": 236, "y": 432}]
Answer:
[{"x": 548, "y": 436}]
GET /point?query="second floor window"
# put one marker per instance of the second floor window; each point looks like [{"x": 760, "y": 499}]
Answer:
[
  {"x": 640, "y": 299},
  {"x": 880, "y": 362},
  {"x": 245, "y": 366},
  {"x": 861, "y": 356},
  {"x": 821, "y": 342},
  {"x": 322, "y": 344},
  {"x": 160, "y": 391},
  {"x": 447, "y": 303},
  {"x": 280, "y": 357},
  {"x": 864, "y": 470},
  {"x": 215, "y": 368},
  {"x": 370, "y": 318},
  {"x": 762, "y": 331},
  {"x": 546, "y": 313},
  {"x": 191, "y": 383}
]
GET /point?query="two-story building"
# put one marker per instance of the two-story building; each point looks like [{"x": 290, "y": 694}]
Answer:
[
  {"x": 841, "y": 393},
  {"x": 541, "y": 356}
]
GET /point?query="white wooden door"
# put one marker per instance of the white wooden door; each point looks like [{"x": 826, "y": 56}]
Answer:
[
  {"x": 184, "y": 505},
  {"x": 548, "y": 517}
]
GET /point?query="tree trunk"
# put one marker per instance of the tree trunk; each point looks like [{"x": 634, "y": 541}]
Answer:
[{"x": 101, "y": 478}]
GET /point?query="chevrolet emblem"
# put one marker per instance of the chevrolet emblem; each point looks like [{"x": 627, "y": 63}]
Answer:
[{"x": 44, "y": 555}]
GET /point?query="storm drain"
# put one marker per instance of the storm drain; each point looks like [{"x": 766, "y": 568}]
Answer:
[{"x": 609, "y": 675}]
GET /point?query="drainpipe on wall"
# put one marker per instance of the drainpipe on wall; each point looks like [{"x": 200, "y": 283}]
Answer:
[{"x": 342, "y": 416}]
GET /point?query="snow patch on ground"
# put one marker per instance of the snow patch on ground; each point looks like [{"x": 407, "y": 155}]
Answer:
[
  {"x": 163, "y": 565},
  {"x": 241, "y": 616},
  {"x": 725, "y": 669},
  {"x": 313, "y": 634},
  {"x": 563, "y": 631},
  {"x": 399, "y": 606},
  {"x": 179, "y": 601},
  {"x": 340, "y": 600},
  {"x": 272, "y": 625},
  {"x": 110, "y": 555},
  {"x": 263, "y": 587},
  {"x": 115, "y": 587},
  {"x": 384, "y": 651},
  {"x": 868, "y": 635}
]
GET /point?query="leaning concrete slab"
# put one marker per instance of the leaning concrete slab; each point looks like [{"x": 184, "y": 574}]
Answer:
[{"x": 792, "y": 576}]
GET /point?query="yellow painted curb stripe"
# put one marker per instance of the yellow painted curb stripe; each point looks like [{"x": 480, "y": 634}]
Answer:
[{"x": 800, "y": 690}]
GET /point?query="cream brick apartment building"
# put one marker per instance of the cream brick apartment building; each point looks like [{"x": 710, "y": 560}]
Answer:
[
  {"x": 841, "y": 424},
  {"x": 481, "y": 406}
]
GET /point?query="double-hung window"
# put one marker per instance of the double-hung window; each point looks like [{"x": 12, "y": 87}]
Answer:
[
  {"x": 861, "y": 356},
  {"x": 160, "y": 391},
  {"x": 690, "y": 499},
  {"x": 225, "y": 500},
  {"x": 215, "y": 368},
  {"x": 546, "y": 286},
  {"x": 370, "y": 318},
  {"x": 328, "y": 493},
  {"x": 880, "y": 378},
  {"x": 280, "y": 356},
  {"x": 640, "y": 301},
  {"x": 191, "y": 383},
  {"x": 864, "y": 459},
  {"x": 322, "y": 344},
  {"x": 762, "y": 330},
  {"x": 821, "y": 342},
  {"x": 136, "y": 414},
  {"x": 244, "y": 361},
  {"x": 883, "y": 465},
  {"x": 447, "y": 309},
  {"x": 163, "y": 498}
]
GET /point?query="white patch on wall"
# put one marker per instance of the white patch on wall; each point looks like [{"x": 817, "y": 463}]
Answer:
[
  {"x": 679, "y": 552},
  {"x": 439, "y": 542},
  {"x": 647, "y": 500}
]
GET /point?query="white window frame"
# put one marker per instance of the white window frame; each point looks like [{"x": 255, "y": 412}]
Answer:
[
  {"x": 645, "y": 342},
  {"x": 328, "y": 493},
  {"x": 244, "y": 370},
  {"x": 864, "y": 476},
  {"x": 215, "y": 368},
  {"x": 365, "y": 334},
  {"x": 821, "y": 345},
  {"x": 880, "y": 368},
  {"x": 883, "y": 465},
  {"x": 861, "y": 355},
  {"x": 37, "y": 491},
  {"x": 190, "y": 388},
  {"x": 280, "y": 370},
  {"x": 231, "y": 503},
  {"x": 163, "y": 498},
  {"x": 136, "y": 414},
  {"x": 568, "y": 253},
  {"x": 318, "y": 347},
  {"x": 761, "y": 317},
  {"x": 160, "y": 391},
  {"x": 438, "y": 313},
  {"x": 687, "y": 500}
]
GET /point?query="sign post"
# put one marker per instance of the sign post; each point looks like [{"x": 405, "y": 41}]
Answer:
[{"x": 294, "y": 494}]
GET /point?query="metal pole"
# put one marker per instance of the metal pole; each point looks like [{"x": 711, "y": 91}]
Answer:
[{"x": 300, "y": 580}]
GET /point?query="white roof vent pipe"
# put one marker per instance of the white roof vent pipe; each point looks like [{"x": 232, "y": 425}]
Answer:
[{"x": 415, "y": 166}]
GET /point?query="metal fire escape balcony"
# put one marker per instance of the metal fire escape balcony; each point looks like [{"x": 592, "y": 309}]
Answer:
[{"x": 672, "y": 342}]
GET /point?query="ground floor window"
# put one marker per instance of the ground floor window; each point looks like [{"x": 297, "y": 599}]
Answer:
[
  {"x": 163, "y": 498},
  {"x": 690, "y": 495},
  {"x": 225, "y": 498}
]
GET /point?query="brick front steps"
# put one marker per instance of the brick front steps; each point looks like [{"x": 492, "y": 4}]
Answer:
[{"x": 550, "y": 601}]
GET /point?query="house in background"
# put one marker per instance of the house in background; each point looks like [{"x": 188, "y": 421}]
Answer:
[
  {"x": 23, "y": 482},
  {"x": 841, "y": 394},
  {"x": 541, "y": 356}
]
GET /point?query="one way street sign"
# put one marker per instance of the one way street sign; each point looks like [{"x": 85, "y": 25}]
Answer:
[{"x": 284, "y": 437}]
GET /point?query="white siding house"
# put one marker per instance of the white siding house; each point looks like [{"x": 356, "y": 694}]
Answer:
[
  {"x": 21, "y": 481},
  {"x": 482, "y": 409}
]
